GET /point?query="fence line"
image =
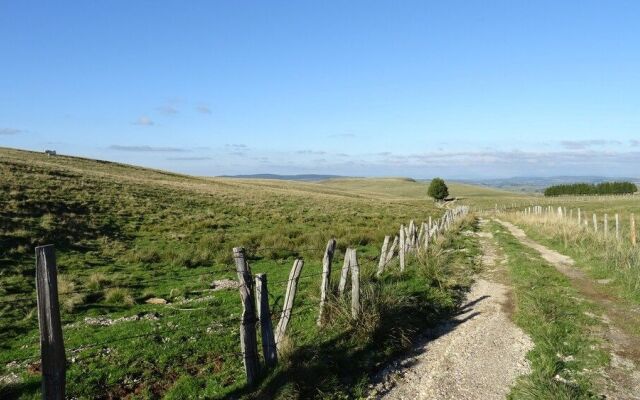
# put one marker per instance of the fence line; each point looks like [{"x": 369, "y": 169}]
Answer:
[{"x": 412, "y": 239}]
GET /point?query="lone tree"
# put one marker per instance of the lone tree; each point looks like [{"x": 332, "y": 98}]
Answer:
[{"x": 438, "y": 189}]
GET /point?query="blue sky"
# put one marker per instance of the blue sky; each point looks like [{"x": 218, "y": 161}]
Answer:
[{"x": 462, "y": 89}]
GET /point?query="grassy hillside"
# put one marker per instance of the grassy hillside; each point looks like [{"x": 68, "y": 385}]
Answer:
[
  {"x": 406, "y": 189},
  {"x": 125, "y": 234}
]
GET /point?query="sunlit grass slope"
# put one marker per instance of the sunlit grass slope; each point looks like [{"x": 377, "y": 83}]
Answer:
[{"x": 124, "y": 234}]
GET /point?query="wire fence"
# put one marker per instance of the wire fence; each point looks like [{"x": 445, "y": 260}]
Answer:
[{"x": 83, "y": 351}]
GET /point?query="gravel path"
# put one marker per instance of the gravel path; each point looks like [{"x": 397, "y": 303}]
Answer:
[{"x": 476, "y": 355}]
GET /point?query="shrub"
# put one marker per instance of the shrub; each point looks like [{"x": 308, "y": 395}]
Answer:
[{"x": 438, "y": 189}]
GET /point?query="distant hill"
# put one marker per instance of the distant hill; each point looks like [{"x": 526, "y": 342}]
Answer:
[
  {"x": 302, "y": 177},
  {"x": 538, "y": 184}
]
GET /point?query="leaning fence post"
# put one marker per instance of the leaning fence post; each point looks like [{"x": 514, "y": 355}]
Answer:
[
  {"x": 290, "y": 295},
  {"x": 248, "y": 340},
  {"x": 326, "y": 278},
  {"x": 383, "y": 256},
  {"x": 355, "y": 285},
  {"x": 264, "y": 315},
  {"x": 345, "y": 271},
  {"x": 51, "y": 340},
  {"x": 391, "y": 251}
]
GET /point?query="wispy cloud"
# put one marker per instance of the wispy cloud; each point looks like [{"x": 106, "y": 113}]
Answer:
[
  {"x": 236, "y": 146},
  {"x": 148, "y": 149},
  {"x": 585, "y": 144},
  {"x": 144, "y": 121},
  {"x": 203, "y": 109},
  {"x": 513, "y": 157},
  {"x": 189, "y": 158},
  {"x": 167, "y": 109},
  {"x": 10, "y": 131},
  {"x": 311, "y": 152},
  {"x": 634, "y": 143}
]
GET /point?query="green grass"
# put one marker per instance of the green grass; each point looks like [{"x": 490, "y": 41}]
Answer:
[
  {"x": 551, "y": 312},
  {"x": 124, "y": 234}
]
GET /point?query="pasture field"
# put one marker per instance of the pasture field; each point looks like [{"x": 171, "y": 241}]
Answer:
[{"x": 125, "y": 234}]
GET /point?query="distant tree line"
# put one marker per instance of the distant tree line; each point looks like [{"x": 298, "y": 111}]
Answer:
[{"x": 592, "y": 189}]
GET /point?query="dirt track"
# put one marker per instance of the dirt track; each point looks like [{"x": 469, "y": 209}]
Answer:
[
  {"x": 476, "y": 355},
  {"x": 621, "y": 380}
]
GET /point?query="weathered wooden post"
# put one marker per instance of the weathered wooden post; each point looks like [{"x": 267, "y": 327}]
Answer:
[
  {"x": 391, "y": 251},
  {"x": 411, "y": 236},
  {"x": 383, "y": 256},
  {"x": 402, "y": 247},
  {"x": 345, "y": 271},
  {"x": 579, "y": 217},
  {"x": 355, "y": 285},
  {"x": 606, "y": 226},
  {"x": 248, "y": 340},
  {"x": 427, "y": 236},
  {"x": 289, "y": 297},
  {"x": 51, "y": 340},
  {"x": 326, "y": 278},
  {"x": 633, "y": 230},
  {"x": 595, "y": 223},
  {"x": 269, "y": 349},
  {"x": 617, "y": 226}
]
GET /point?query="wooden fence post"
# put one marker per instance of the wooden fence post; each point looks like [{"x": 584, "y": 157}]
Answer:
[
  {"x": 579, "y": 217},
  {"x": 633, "y": 230},
  {"x": 355, "y": 285},
  {"x": 290, "y": 295},
  {"x": 606, "y": 225},
  {"x": 402, "y": 247},
  {"x": 383, "y": 256},
  {"x": 51, "y": 340},
  {"x": 345, "y": 271},
  {"x": 411, "y": 236},
  {"x": 595, "y": 222},
  {"x": 617, "y": 226},
  {"x": 427, "y": 236},
  {"x": 248, "y": 340},
  {"x": 391, "y": 251},
  {"x": 326, "y": 278},
  {"x": 269, "y": 350}
]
